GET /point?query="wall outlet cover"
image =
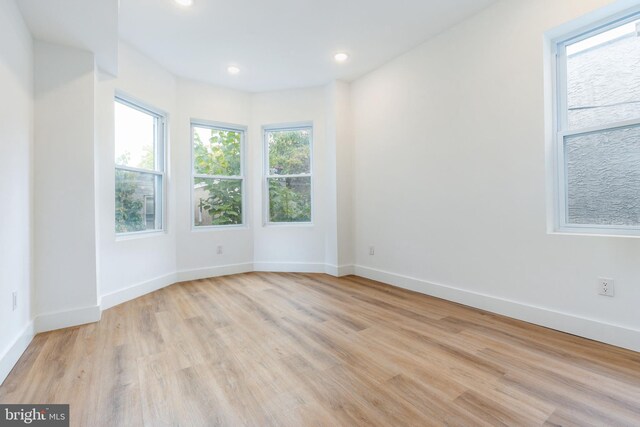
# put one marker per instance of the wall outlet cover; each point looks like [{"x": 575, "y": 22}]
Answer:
[{"x": 605, "y": 287}]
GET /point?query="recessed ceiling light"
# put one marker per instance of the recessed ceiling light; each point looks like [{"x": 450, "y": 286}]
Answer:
[
  {"x": 233, "y": 70},
  {"x": 185, "y": 3},
  {"x": 341, "y": 57}
]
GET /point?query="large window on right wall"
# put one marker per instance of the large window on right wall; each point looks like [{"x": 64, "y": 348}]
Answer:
[
  {"x": 288, "y": 175},
  {"x": 597, "y": 129}
]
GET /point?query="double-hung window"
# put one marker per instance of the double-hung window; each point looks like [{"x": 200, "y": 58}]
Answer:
[
  {"x": 139, "y": 167},
  {"x": 597, "y": 129},
  {"x": 218, "y": 175},
  {"x": 288, "y": 181}
]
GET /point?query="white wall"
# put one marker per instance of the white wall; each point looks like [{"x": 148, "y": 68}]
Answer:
[
  {"x": 64, "y": 207},
  {"x": 450, "y": 179},
  {"x": 339, "y": 250},
  {"x": 436, "y": 158},
  {"x": 345, "y": 163},
  {"x": 16, "y": 184},
  {"x": 284, "y": 246},
  {"x": 133, "y": 266},
  {"x": 196, "y": 249},
  {"x": 127, "y": 262}
]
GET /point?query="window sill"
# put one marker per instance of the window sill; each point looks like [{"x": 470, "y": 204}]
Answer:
[
  {"x": 288, "y": 224},
  {"x": 205, "y": 228},
  {"x": 597, "y": 232},
  {"x": 139, "y": 235}
]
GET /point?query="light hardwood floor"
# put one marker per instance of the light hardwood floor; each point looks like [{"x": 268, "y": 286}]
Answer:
[{"x": 309, "y": 349}]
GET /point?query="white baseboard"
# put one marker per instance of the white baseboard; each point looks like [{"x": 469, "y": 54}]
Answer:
[
  {"x": 222, "y": 270},
  {"x": 617, "y": 335},
  {"x": 11, "y": 355},
  {"x": 132, "y": 292},
  {"x": 290, "y": 267},
  {"x": 127, "y": 294},
  {"x": 339, "y": 270},
  {"x": 65, "y": 319}
]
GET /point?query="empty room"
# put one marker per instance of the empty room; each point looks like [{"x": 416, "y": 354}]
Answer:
[{"x": 319, "y": 213}]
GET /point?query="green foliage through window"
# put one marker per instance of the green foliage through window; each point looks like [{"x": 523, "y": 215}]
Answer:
[
  {"x": 216, "y": 159},
  {"x": 132, "y": 190},
  {"x": 289, "y": 175},
  {"x": 139, "y": 144}
]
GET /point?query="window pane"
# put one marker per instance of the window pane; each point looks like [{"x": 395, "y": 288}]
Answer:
[
  {"x": 135, "y": 134},
  {"x": 603, "y": 177},
  {"x": 603, "y": 78},
  {"x": 217, "y": 201},
  {"x": 216, "y": 151},
  {"x": 138, "y": 201},
  {"x": 290, "y": 199},
  {"x": 289, "y": 151}
]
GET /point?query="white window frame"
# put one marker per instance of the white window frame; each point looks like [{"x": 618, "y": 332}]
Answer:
[
  {"x": 560, "y": 129},
  {"x": 243, "y": 136},
  {"x": 160, "y": 147},
  {"x": 266, "y": 175}
]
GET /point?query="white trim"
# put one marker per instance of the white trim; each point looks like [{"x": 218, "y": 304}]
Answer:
[
  {"x": 556, "y": 121},
  {"x": 140, "y": 170},
  {"x": 12, "y": 354},
  {"x": 266, "y": 222},
  {"x": 600, "y": 128},
  {"x": 134, "y": 291},
  {"x": 290, "y": 267},
  {"x": 221, "y": 270},
  {"x": 121, "y": 237},
  {"x": 140, "y": 289},
  {"x": 143, "y": 288},
  {"x": 242, "y": 130},
  {"x": 161, "y": 157},
  {"x": 66, "y": 319},
  {"x": 618, "y": 335},
  {"x": 338, "y": 270}
]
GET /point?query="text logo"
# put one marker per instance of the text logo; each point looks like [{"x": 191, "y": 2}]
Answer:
[{"x": 34, "y": 415}]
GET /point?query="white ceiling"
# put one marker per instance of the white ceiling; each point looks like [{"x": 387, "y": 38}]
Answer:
[
  {"x": 84, "y": 24},
  {"x": 282, "y": 43}
]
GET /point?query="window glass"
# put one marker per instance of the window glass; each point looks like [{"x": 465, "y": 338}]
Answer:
[
  {"x": 139, "y": 170},
  {"x": 603, "y": 78},
  {"x": 135, "y": 133},
  {"x": 289, "y": 175},
  {"x": 598, "y": 133},
  {"x": 603, "y": 177},
  {"x": 217, "y": 176}
]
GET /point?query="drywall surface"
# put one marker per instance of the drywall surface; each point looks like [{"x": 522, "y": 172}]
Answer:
[
  {"x": 16, "y": 183},
  {"x": 132, "y": 266},
  {"x": 64, "y": 208},
  {"x": 339, "y": 252},
  {"x": 450, "y": 172},
  {"x": 197, "y": 247},
  {"x": 126, "y": 262},
  {"x": 289, "y": 244}
]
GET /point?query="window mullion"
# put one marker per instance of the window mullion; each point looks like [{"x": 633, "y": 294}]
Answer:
[
  {"x": 594, "y": 142},
  {"x": 228, "y": 177},
  {"x": 303, "y": 175},
  {"x": 140, "y": 199},
  {"x": 213, "y": 216},
  {"x": 601, "y": 128},
  {"x": 139, "y": 170}
]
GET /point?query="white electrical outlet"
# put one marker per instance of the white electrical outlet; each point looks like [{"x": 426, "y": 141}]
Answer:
[
  {"x": 14, "y": 296},
  {"x": 219, "y": 250},
  {"x": 605, "y": 287},
  {"x": 372, "y": 250}
]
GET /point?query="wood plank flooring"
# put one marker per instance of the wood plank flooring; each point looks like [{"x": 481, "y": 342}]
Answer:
[{"x": 289, "y": 349}]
